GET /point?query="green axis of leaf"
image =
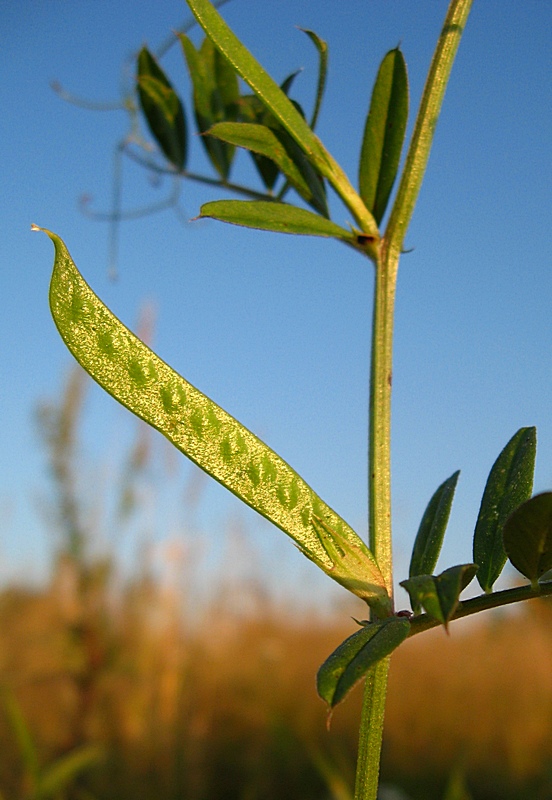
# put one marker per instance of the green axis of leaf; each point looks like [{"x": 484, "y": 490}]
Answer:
[
  {"x": 135, "y": 376},
  {"x": 484, "y": 602}
]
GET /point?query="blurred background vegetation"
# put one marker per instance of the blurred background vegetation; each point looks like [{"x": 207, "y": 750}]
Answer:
[{"x": 118, "y": 684}]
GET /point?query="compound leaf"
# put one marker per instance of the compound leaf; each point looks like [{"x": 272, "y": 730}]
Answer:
[
  {"x": 283, "y": 109},
  {"x": 509, "y": 484}
]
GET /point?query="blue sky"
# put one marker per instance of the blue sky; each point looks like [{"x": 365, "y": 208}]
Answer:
[{"x": 273, "y": 328}]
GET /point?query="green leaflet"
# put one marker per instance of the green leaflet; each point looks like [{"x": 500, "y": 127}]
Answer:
[
  {"x": 260, "y": 139},
  {"x": 350, "y": 662},
  {"x": 282, "y": 153},
  {"x": 315, "y": 192},
  {"x": 216, "y": 97},
  {"x": 165, "y": 99},
  {"x": 509, "y": 484},
  {"x": 204, "y": 432},
  {"x": 384, "y": 134},
  {"x": 429, "y": 538},
  {"x": 282, "y": 150},
  {"x": 440, "y": 594},
  {"x": 253, "y": 111},
  {"x": 162, "y": 108},
  {"x": 528, "y": 537},
  {"x": 279, "y": 217}
]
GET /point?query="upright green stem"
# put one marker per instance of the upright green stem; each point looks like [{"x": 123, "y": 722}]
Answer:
[
  {"x": 370, "y": 740},
  {"x": 379, "y": 474},
  {"x": 379, "y": 492}
]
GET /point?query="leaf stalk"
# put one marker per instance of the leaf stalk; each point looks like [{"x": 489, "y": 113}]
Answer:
[{"x": 484, "y": 602}]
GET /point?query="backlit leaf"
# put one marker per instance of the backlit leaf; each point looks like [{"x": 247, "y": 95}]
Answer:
[
  {"x": 276, "y": 146},
  {"x": 215, "y": 95},
  {"x": 350, "y": 662},
  {"x": 509, "y": 484},
  {"x": 254, "y": 112},
  {"x": 429, "y": 539},
  {"x": 300, "y": 173},
  {"x": 268, "y": 216},
  {"x": 384, "y": 134},
  {"x": 315, "y": 192},
  {"x": 136, "y": 377},
  {"x": 162, "y": 109},
  {"x": 528, "y": 536}
]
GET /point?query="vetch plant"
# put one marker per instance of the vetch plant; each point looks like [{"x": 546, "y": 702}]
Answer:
[{"x": 288, "y": 155}]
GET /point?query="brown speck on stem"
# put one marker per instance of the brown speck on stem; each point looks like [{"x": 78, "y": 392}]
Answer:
[{"x": 365, "y": 238}]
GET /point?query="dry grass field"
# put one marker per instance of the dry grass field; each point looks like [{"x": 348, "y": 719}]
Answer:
[{"x": 226, "y": 707}]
